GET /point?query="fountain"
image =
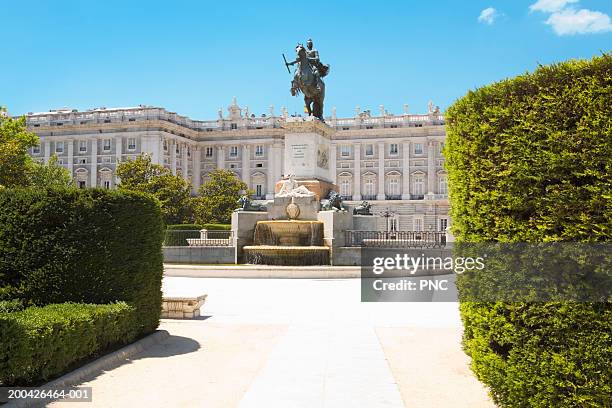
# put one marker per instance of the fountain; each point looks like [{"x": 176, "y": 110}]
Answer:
[
  {"x": 292, "y": 228},
  {"x": 288, "y": 242}
]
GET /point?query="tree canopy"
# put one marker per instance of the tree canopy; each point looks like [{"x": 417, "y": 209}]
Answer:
[
  {"x": 217, "y": 197},
  {"x": 17, "y": 168},
  {"x": 172, "y": 191}
]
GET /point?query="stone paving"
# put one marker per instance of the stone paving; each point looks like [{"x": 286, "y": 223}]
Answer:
[{"x": 296, "y": 343}]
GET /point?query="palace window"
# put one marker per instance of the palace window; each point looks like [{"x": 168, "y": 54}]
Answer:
[
  {"x": 165, "y": 146},
  {"x": 440, "y": 147},
  {"x": 259, "y": 165},
  {"x": 370, "y": 187},
  {"x": 369, "y": 150},
  {"x": 418, "y": 148},
  {"x": 36, "y": 150},
  {"x": 107, "y": 145},
  {"x": 443, "y": 224},
  {"x": 232, "y": 165},
  {"x": 345, "y": 187},
  {"x": 234, "y": 151},
  {"x": 233, "y": 126},
  {"x": 393, "y": 148},
  {"x": 188, "y": 152},
  {"x": 442, "y": 185},
  {"x": 258, "y": 190},
  {"x": 345, "y": 151},
  {"x": 393, "y": 185},
  {"x": 418, "y": 224},
  {"x": 83, "y": 161},
  {"x": 131, "y": 143},
  {"x": 419, "y": 184},
  {"x": 259, "y": 150},
  {"x": 59, "y": 147},
  {"x": 209, "y": 152},
  {"x": 82, "y": 146}
]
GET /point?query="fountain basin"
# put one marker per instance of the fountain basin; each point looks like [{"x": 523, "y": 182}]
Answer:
[
  {"x": 286, "y": 255},
  {"x": 289, "y": 233}
]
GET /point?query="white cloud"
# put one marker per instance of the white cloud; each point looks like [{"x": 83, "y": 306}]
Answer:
[
  {"x": 550, "y": 6},
  {"x": 567, "y": 20},
  {"x": 570, "y": 21},
  {"x": 488, "y": 16}
]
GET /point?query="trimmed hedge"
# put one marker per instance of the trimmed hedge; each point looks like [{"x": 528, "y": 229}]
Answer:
[
  {"x": 530, "y": 160},
  {"x": 86, "y": 246},
  {"x": 185, "y": 227},
  {"x": 39, "y": 343}
]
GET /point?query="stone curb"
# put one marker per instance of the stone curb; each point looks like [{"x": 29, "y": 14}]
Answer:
[
  {"x": 107, "y": 362},
  {"x": 280, "y": 272}
]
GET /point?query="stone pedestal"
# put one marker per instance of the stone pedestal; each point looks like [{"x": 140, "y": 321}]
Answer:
[
  {"x": 335, "y": 223},
  {"x": 365, "y": 223},
  {"x": 307, "y": 149},
  {"x": 320, "y": 188},
  {"x": 309, "y": 206},
  {"x": 243, "y": 228}
]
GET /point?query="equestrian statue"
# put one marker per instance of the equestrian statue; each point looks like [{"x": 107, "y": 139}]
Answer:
[{"x": 307, "y": 78}]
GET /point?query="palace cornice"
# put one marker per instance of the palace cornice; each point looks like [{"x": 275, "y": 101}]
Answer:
[
  {"x": 308, "y": 126},
  {"x": 357, "y": 134}
]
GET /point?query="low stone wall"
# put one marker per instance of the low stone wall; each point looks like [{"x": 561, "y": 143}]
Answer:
[
  {"x": 346, "y": 256},
  {"x": 200, "y": 255}
]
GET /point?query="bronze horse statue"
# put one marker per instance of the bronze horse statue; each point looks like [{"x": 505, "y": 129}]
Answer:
[{"x": 307, "y": 80}]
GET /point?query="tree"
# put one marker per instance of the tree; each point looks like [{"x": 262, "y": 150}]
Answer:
[
  {"x": 17, "y": 169},
  {"x": 50, "y": 175},
  {"x": 15, "y": 162},
  {"x": 217, "y": 197},
  {"x": 173, "y": 192}
]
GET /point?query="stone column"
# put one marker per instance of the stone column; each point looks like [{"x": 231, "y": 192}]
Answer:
[
  {"x": 118, "y": 150},
  {"x": 273, "y": 158},
  {"x": 220, "y": 157},
  {"x": 94, "y": 163},
  {"x": 333, "y": 171},
  {"x": 430, "y": 166},
  {"x": 70, "y": 163},
  {"x": 406, "y": 170},
  {"x": 357, "y": 172},
  {"x": 381, "y": 172},
  {"x": 185, "y": 163},
  {"x": 195, "y": 175},
  {"x": 47, "y": 152},
  {"x": 246, "y": 161},
  {"x": 173, "y": 156}
]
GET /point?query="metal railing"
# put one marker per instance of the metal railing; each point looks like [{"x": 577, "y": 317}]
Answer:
[
  {"x": 396, "y": 239},
  {"x": 193, "y": 238}
]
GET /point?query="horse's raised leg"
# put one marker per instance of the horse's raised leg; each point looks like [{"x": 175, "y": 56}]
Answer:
[{"x": 307, "y": 102}]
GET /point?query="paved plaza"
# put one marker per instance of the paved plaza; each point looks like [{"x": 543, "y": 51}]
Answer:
[{"x": 296, "y": 343}]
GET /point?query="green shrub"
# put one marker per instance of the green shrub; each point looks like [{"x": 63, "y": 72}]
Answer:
[
  {"x": 529, "y": 160},
  {"x": 189, "y": 227},
  {"x": 217, "y": 227},
  {"x": 85, "y": 246},
  {"x": 184, "y": 227},
  {"x": 39, "y": 343},
  {"x": 14, "y": 305}
]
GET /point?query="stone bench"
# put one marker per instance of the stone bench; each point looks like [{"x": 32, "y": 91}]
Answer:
[{"x": 182, "y": 307}]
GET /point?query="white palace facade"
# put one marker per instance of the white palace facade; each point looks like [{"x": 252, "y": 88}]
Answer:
[{"x": 394, "y": 162}]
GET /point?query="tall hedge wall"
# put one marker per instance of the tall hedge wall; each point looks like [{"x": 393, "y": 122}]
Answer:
[
  {"x": 86, "y": 246},
  {"x": 530, "y": 160}
]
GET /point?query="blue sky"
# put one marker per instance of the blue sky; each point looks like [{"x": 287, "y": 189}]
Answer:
[{"x": 191, "y": 57}]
